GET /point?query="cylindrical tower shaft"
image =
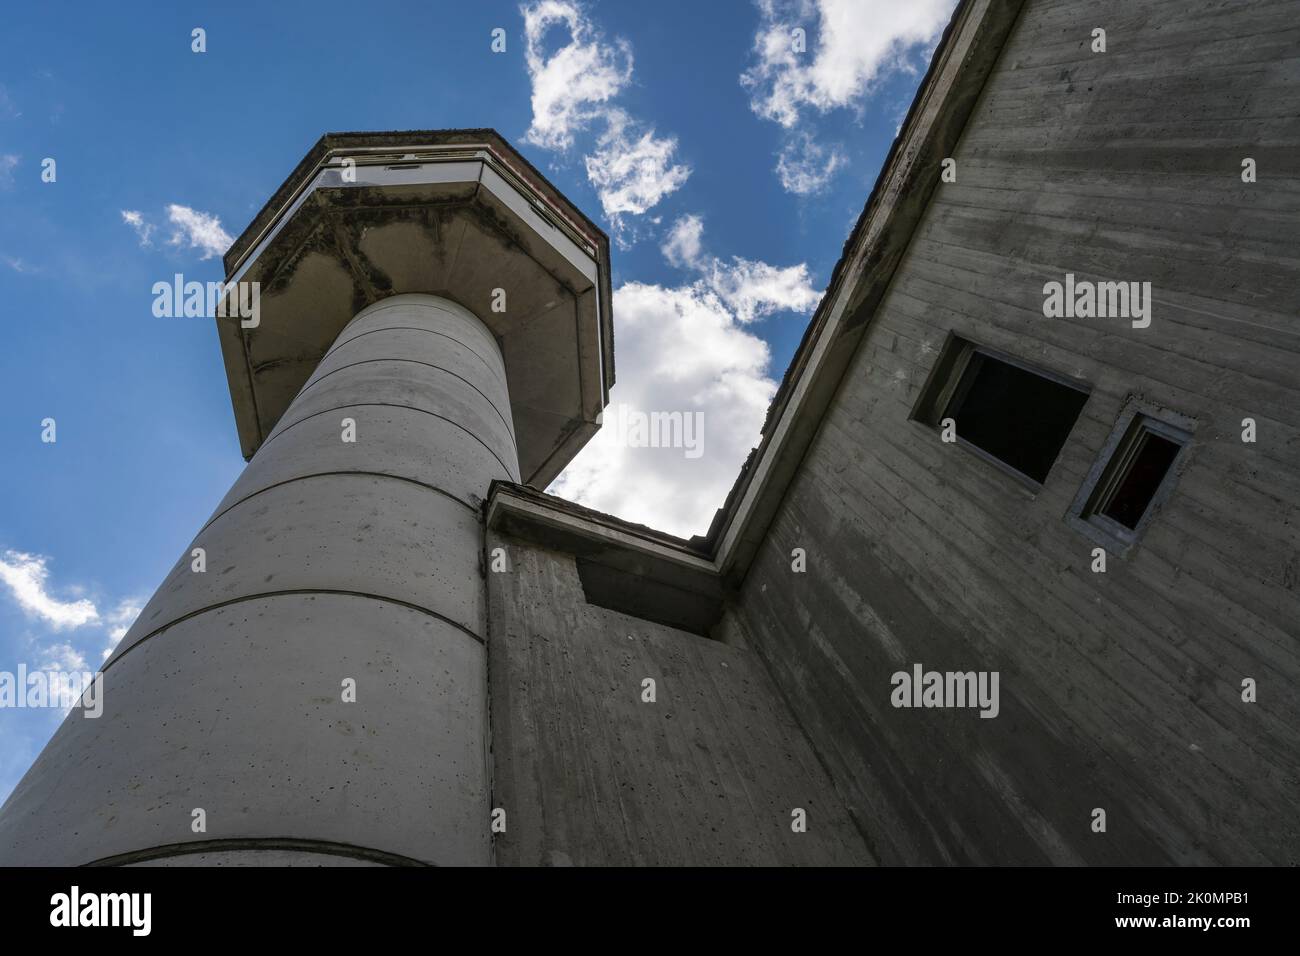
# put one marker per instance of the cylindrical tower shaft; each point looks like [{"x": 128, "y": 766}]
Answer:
[{"x": 309, "y": 682}]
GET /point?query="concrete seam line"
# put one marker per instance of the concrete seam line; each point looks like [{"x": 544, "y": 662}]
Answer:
[
  {"x": 422, "y": 411},
  {"x": 257, "y": 844},
  {"x": 388, "y": 303},
  {"x": 340, "y": 342},
  {"x": 334, "y": 474},
  {"x": 286, "y": 593},
  {"x": 343, "y": 368},
  {"x": 387, "y": 306}
]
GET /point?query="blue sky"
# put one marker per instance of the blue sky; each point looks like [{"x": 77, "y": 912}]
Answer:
[{"x": 728, "y": 165}]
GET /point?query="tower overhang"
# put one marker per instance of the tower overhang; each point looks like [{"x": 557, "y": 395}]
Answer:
[{"x": 454, "y": 213}]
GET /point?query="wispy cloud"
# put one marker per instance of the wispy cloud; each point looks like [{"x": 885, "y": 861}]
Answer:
[
  {"x": 191, "y": 229},
  {"x": 851, "y": 47},
  {"x": 805, "y": 167},
  {"x": 62, "y": 657},
  {"x": 17, "y": 265},
  {"x": 27, "y": 577},
  {"x": 632, "y": 169},
  {"x": 136, "y": 221},
  {"x": 684, "y": 246},
  {"x": 200, "y": 229},
  {"x": 120, "y": 620},
  {"x": 857, "y": 43},
  {"x": 749, "y": 289},
  {"x": 752, "y": 290},
  {"x": 8, "y": 163},
  {"x": 573, "y": 89},
  {"x": 572, "y": 85},
  {"x": 69, "y": 672}
]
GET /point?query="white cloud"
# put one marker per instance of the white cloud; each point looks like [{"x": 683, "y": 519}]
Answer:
[
  {"x": 62, "y": 657},
  {"x": 750, "y": 290},
  {"x": 69, "y": 673},
  {"x": 855, "y": 45},
  {"x": 682, "y": 248},
  {"x": 805, "y": 167},
  {"x": 190, "y": 227},
  {"x": 686, "y": 349},
  {"x": 632, "y": 169},
  {"x": 202, "y": 230},
  {"x": 753, "y": 290},
  {"x": 136, "y": 221},
  {"x": 26, "y": 576},
  {"x": 570, "y": 84},
  {"x": 680, "y": 350},
  {"x": 121, "y": 619},
  {"x": 18, "y": 265},
  {"x": 8, "y": 163},
  {"x": 574, "y": 87}
]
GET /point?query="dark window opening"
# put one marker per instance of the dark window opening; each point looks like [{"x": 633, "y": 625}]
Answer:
[
  {"x": 1133, "y": 495},
  {"x": 1017, "y": 416},
  {"x": 1135, "y": 474}
]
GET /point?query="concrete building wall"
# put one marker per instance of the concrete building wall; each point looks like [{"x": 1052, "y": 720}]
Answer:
[
  {"x": 1120, "y": 690},
  {"x": 329, "y": 559},
  {"x": 590, "y": 774}
]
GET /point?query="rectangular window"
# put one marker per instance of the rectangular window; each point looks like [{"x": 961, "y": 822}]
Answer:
[
  {"x": 1137, "y": 470},
  {"x": 1010, "y": 413}
]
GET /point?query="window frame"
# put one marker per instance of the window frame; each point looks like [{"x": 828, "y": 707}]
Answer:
[
  {"x": 947, "y": 384},
  {"x": 1112, "y": 464}
]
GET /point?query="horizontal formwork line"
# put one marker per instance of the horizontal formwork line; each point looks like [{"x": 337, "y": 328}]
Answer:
[
  {"x": 292, "y": 592},
  {"x": 337, "y": 474},
  {"x": 314, "y": 382},
  {"x": 258, "y": 844},
  {"x": 389, "y": 306},
  {"x": 949, "y": 266},
  {"x": 409, "y": 408},
  {"x": 414, "y": 328}
]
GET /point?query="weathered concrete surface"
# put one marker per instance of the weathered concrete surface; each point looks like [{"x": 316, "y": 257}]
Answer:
[
  {"x": 1122, "y": 690},
  {"x": 356, "y": 533},
  {"x": 622, "y": 566},
  {"x": 1118, "y": 691},
  {"x": 237, "y": 711},
  {"x": 456, "y": 213},
  {"x": 589, "y": 774},
  {"x": 404, "y": 443},
  {"x": 964, "y": 60},
  {"x": 328, "y": 560}
]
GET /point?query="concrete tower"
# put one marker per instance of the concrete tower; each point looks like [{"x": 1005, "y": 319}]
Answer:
[{"x": 433, "y": 316}]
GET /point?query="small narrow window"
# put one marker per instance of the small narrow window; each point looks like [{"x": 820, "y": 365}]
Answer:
[
  {"x": 1008, "y": 412},
  {"x": 1134, "y": 475}
]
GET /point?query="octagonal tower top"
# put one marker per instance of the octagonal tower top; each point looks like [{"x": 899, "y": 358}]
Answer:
[{"x": 455, "y": 213}]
